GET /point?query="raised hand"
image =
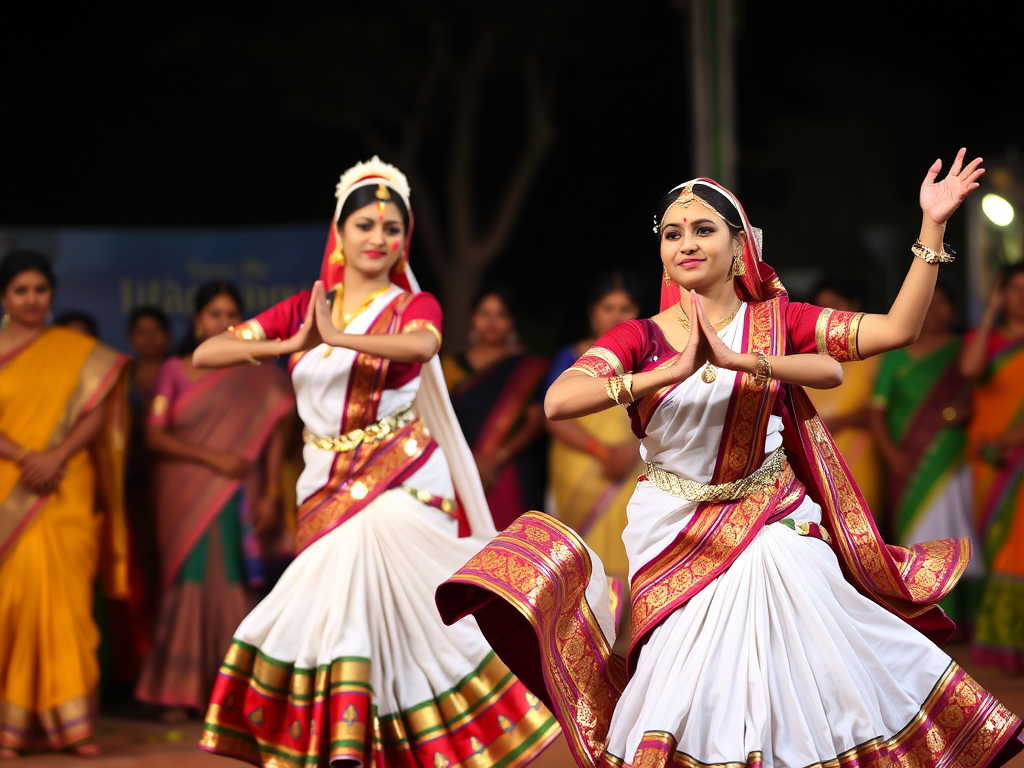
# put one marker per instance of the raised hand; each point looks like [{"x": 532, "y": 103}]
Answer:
[
  {"x": 694, "y": 354},
  {"x": 308, "y": 336},
  {"x": 940, "y": 198},
  {"x": 322, "y": 313}
]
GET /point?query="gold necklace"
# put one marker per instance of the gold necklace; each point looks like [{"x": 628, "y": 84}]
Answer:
[
  {"x": 710, "y": 373},
  {"x": 347, "y": 317}
]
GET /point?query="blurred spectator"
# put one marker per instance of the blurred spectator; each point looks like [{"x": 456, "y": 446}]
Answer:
[
  {"x": 921, "y": 405},
  {"x": 216, "y": 492},
  {"x": 149, "y": 336},
  {"x": 845, "y": 408},
  {"x": 82, "y": 322},
  {"x": 495, "y": 388},
  {"x": 993, "y": 356},
  {"x": 61, "y": 443},
  {"x": 594, "y": 460},
  {"x": 128, "y": 623}
]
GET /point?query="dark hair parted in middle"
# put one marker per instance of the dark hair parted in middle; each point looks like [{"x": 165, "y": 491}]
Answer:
[
  {"x": 722, "y": 205},
  {"x": 364, "y": 196},
  {"x": 24, "y": 260}
]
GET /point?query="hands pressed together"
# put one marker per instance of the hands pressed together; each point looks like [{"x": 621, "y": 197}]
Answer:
[{"x": 703, "y": 347}]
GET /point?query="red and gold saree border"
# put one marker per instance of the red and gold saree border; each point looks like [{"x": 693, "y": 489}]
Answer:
[
  {"x": 906, "y": 580},
  {"x": 716, "y": 534},
  {"x": 24, "y": 730},
  {"x": 959, "y": 724},
  {"x": 271, "y": 713},
  {"x": 530, "y": 584}
]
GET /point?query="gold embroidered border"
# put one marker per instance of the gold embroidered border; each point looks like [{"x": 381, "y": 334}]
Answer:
[
  {"x": 423, "y": 325},
  {"x": 603, "y": 353},
  {"x": 743, "y": 440},
  {"x": 540, "y": 566},
  {"x": 835, "y": 334},
  {"x": 959, "y": 724},
  {"x": 66, "y": 724},
  {"x": 250, "y": 330},
  {"x": 927, "y": 572},
  {"x": 703, "y": 548},
  {"x": 820, "y": 329}
]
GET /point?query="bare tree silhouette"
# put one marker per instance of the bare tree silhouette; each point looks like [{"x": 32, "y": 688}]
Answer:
[{"x": 460, "y": 100}]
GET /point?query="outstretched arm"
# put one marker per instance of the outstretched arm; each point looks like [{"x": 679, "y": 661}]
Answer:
[
  {"x": 902, "y": 324},
  {"x": 226, "y": 350}
]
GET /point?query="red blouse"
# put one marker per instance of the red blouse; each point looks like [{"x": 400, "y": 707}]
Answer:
[{"x": 282, "y": 321}]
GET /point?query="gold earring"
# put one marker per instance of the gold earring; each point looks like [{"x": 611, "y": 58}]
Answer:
[
  {"x": 5, "y": 320},
  {"x": 400, "y": 267},
  {"x": 738, "y": 267},
  {"x": 197, "y": 331},
  {"x": 666, "y": 278},
  {"x": 338, "y": 258}
]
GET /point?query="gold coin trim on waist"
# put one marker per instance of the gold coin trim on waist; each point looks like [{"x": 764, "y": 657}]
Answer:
[
  {"x": 376, "y": 431},
  {"x": 691, "y": 490}
]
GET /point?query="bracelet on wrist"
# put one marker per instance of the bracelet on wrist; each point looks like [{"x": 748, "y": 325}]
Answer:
[
  {"x": 620, "y": 389},
  {"x": 930, "y": 256}
]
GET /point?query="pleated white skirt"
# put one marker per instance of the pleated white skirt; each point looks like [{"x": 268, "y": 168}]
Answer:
[{"x": 779, "y": 655}]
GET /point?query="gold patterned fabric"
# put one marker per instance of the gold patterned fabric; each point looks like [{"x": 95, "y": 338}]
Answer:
[{"x": 835, "y": 334}]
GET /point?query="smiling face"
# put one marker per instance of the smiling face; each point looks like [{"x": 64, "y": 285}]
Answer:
[
  {"x": 697, "y": 247},
  {"x": 373, "y": 238},
  {"x": 27, "y": 298},
  {"x": 219, "y": 313}
]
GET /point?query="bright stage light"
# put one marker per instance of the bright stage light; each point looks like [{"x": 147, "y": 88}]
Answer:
[{"x": 998, "y": 210}]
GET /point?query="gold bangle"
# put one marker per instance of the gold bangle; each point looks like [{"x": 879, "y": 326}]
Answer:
[
  {"x": 22, "y": 454},
  {"x": 252, "y": 360},
  {"x": 627, "y": 387},
  {"x": 931, "y": 256},
  {"x": 612, "y": 387},
  {"x": 763, "y": 371}
]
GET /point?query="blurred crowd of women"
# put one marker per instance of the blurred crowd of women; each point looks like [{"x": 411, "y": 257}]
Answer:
[{"x": 206, "y": 463}]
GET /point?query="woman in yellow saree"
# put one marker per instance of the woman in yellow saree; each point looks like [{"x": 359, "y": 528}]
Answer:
[
  {"x": 593, "y": 462},
  {"x": 61, "y": 393},
  {"x": 994, "y": 356}
]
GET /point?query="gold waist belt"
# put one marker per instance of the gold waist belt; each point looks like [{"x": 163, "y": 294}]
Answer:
[
  {"x": 376, "y": 431},
  {"x": 737, "y": 489}
]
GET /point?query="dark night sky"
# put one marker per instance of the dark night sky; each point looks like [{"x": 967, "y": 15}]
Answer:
[{"x": 111, "y": 118}]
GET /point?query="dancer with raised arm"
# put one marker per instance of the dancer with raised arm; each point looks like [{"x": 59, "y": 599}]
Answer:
[
  {"x": 346, "y": 661},
  {"x": 771, "y": 626}
]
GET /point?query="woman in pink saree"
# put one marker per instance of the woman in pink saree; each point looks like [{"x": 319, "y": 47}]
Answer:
[
  {"x": 214, "y": 487},
  {"x": 771, "y": 626}
]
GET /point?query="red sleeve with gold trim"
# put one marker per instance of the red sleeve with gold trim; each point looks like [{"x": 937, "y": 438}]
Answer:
[
  {"x": 281, "y": 321},
  {"x": 618, "y": 351},
  {"x": 423, "y": 313},
  {"x": 831, "y": 332}
]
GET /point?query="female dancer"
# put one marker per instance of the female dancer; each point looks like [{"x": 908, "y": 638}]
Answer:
[
  {"x": 495, "y": 388},
  {"x": 346, "y": 660},
  {"x": 593, "y": 461},
  {"x": 219, "y": 456},
  {"x": 993, "y": 356},
  {"x": 921, "y": 405},
  {"x": 62, "y": 421},
  {"x": 753, "y": 644}
]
